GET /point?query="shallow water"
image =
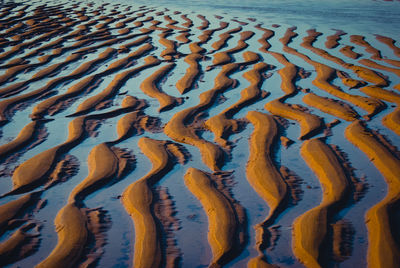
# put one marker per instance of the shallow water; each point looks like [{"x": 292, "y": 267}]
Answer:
[{"x": 365, "y": 18}]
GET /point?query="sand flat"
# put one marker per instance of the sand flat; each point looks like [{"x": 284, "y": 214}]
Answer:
[{"x": 199, "y": 134}]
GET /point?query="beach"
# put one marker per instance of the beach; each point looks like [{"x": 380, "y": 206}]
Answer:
[{"x": 199, "y": 134}]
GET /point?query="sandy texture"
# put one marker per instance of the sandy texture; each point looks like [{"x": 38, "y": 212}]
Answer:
[
  {"x": 383, "y": 250},
  {"x": 138, "y": 202},
  {"x": 309, "y": 123},
  {"x": 222, "y": 221},
  {"x": 100, "y": 102},
  {"x": 264, "y": 177},
  {"x": 311, "y": 228},
  {"x": 149, "y": 86}
]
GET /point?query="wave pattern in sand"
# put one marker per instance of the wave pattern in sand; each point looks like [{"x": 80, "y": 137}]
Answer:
[{"x": 157, "y": 138}]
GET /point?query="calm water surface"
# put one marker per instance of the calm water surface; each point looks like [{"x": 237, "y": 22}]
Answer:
[{"x": 366, "y": 16}]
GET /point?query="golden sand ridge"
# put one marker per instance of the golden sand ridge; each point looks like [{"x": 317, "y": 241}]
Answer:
[
  {"x": 383, "y": 250},
  {"x": 286, "y": 136},
  {"x": 264, "y": 177},
  {"x": 223, "y": 231},
  {"x": 310, "y": 229},
  {"x": 138, "y": 201}
]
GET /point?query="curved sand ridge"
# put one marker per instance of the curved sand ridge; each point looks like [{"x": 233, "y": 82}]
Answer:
[
  {"x": 373, "y": 64},
  {"x": 20, "y": 245},
  {"x": 360, "y": 40},
  {"x": 73, "y": 223},
  {"x": 222, "y": 125},
  {"x": 205, "y": 23},
  {"x": 265, "y": 37},
  {"x": 52, "y": 105},
  {"x": 149, "y": 87},
  {"x": 133, "y": 121},
  {"x": 288, "y": 74},
  {"x": 77, "y": 34},
  {"x": 207, "y": 34},
  {"x": 183, "y": 38},
  {"x": 311, "y": 228},
  {"x": 171, "y": 24},
  {"x": 35, "y": 170},
  {"x": 223, "y": 231},
  {"x": 13, "y": 209},
  {"x": 19, "y": 48},
  {"x": 72, "y": 235},
  {"x": 331, "y": 106},
  {"x": 187, "y": 81},
  {"x": 368, "y": 74},
  {"x": 25, "y": 136},
  {"x": 325, "y": 75},
  {"x": 137, "y": 199},
  {"x": 49, "y": 71},
  {"x": 119, "y": 80},
  {"x": 390, "y": 42},
  {"x": 178, "y": 130},
  {"x": 170, "y": 51},
  {"x": 309, "y": 124},
  {"x": 90, "y": 43},
  {"x": 263, "y": 175},
  {"x": 362, "y": 72},
  {"x": 392, "y": 121},
  {"x": 221, "y": 58},
  {"x": 383, "y": 249},
  {"x": 224, "y": 37},
  {"x": 348, "y": 52},
  {"x": 6, "y": 104},
  {"x": 332, "y": 41},
  {"x": 188, "y": 23},
  {"x": 104, "y": 164}
]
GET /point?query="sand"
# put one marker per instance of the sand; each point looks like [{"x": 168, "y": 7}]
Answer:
[{"x": 140, "y": 136}]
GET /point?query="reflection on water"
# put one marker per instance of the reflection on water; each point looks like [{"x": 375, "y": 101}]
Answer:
[
  {"x": 358, "y": 17},
  {"x": 361, "y": 15}
]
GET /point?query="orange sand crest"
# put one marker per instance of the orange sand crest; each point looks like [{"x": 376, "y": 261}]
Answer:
[
  {"x": 222, "y": 221},
  {"x": 118, "y": 81},
  {"x": 25, "y": 135},
  {"x": 20, "y": 245},
  {"x": 332, "y": 40},
  {"x": 11, "y": 209},
  {"x": 383, "y": 249},
  {"x": 262, "y": 173},
  {"x": 103, "y": 164},
  {"x": 331, "y": 106},
  {"x": 348, "y": 52},
  {"x": 176, "y": 129},
  {"x": 392, "y": 121},
  {"x": 222, "y": 124},
  {"x": 187, "y": 81},
  {"x": 137, "y": 199},
  {"x": 72, "y": 236},
  {"x": 389, "y": 42},
  {"x": 310, "y": 229},
  {"x": 309, "y": 123},
  {"x": 149, "y": 87},
  {"x": 100, "y": 102}
]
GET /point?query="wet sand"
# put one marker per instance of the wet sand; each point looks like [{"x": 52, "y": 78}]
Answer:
[{"x": 138, "y": 136}]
